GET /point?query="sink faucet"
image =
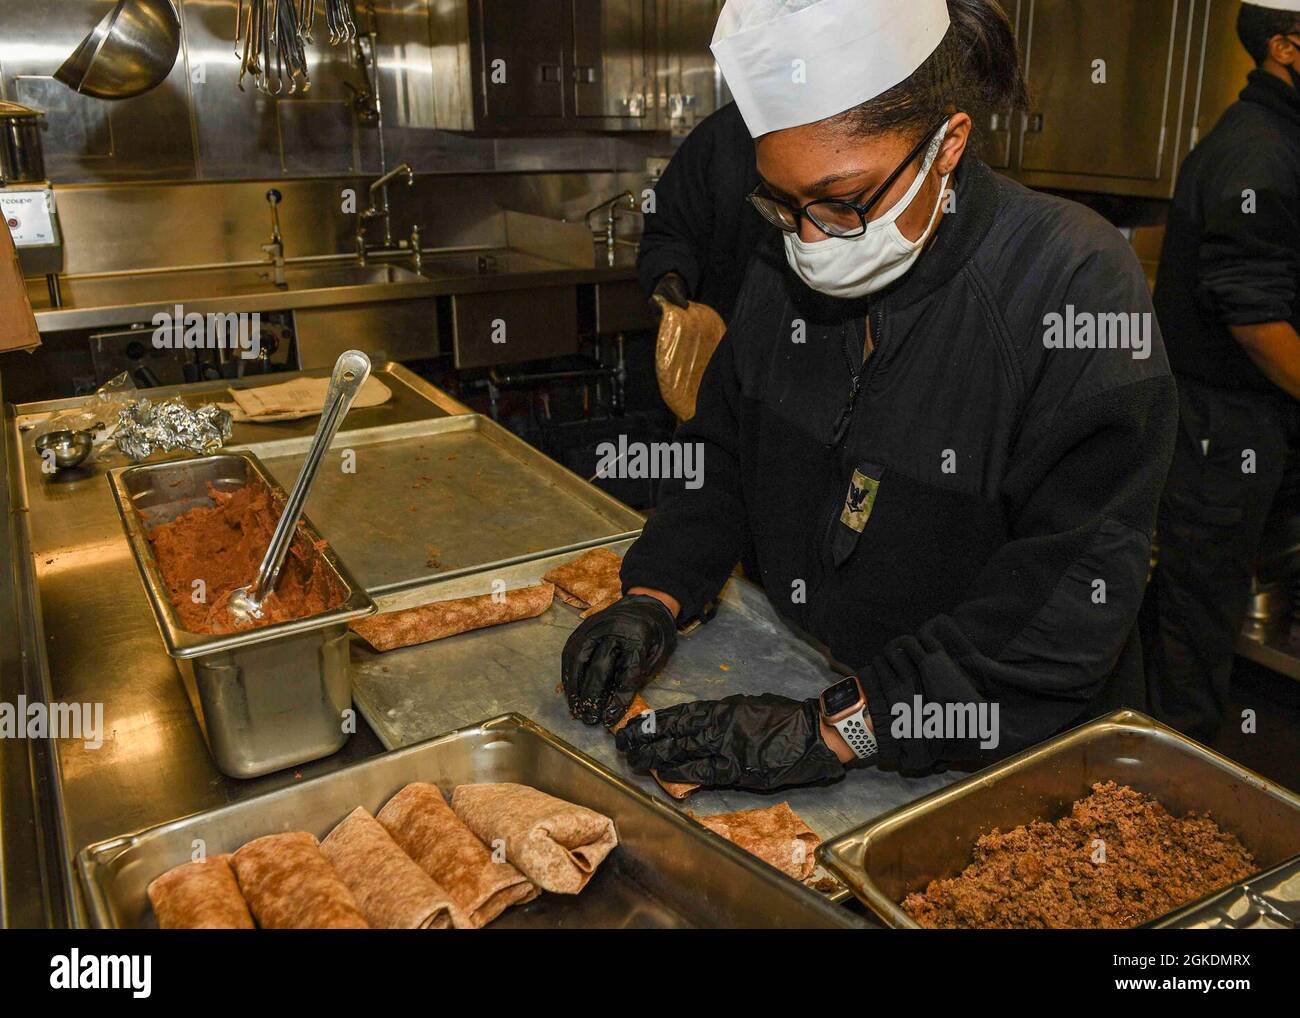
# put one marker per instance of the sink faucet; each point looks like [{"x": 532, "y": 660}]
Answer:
[
  {"x": 611, "y": 206},
  {"x": 274, "y": 248},
  {"x": 379, "y": 208}
]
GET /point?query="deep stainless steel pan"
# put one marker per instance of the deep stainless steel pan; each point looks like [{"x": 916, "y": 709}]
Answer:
[
  {"x": 668, "y": 870},
  {"x": 932, "y": 838},
  {"x": 266, "y": 698}
]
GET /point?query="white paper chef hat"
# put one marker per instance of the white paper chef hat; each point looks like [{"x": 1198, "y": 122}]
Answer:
[{"x": 794, "y": 62}]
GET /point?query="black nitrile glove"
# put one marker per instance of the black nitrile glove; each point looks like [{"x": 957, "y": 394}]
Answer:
[
  {"x": 753, "y": 742},
  {"x": 613, "y": 654},
  {"x": 672, "y": 287}
]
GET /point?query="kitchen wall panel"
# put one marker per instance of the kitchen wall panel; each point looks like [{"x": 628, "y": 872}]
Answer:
[
  {"x": 249, "y": 134},
  {"x": 198, "y": 125},
  {"x": 125, "y": 228},
  {"x": 146, "y": 138}
]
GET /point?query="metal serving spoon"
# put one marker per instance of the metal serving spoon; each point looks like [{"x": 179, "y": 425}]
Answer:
[{"x": 350, "y": 372}]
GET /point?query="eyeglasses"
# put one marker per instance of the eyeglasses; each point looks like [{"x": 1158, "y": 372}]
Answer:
[{"x": 833, "y": 217}]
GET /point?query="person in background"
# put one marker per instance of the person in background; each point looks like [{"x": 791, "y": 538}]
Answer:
[
  {"x": 898, "y": 442},
  {"x": 1226, "y": 297},
  {"x": 703, "y": 230}
]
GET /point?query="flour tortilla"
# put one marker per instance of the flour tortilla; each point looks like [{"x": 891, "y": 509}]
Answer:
[
  {"x": 201, "y": 895},
  {"x": 776, "y": 834},
  {"x": 591, "y": 581},
  {"x": 677, "y": 789},
  {"x": 421, "y": 822},
  {"x": 392, "y": 892},
  {"x": 296, "y": 399},
  {"x": 687, "y": 339},
  {"x": 289, "y": 885},
  {"x": 556, "y": 844},
  {"x": 441, "y": 619}
]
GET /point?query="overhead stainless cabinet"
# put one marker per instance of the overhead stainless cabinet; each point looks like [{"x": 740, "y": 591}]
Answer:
[
  {"x": 610, "y": 69},
  {"x": 687, "y": 83},
  {"x": 524, "y": 50},
  {"x": 541, "y": 65},
  {"x": 1106, "y": 86},
  {"x": 1120, "y": 92}
]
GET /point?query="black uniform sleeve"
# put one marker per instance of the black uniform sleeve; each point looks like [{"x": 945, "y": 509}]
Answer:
[
  {"x": 677, "y": 232},
  {"x": 710, "y": 519},
  {"x": 1049, "y": 614},
  {"x": 1247, "y": 255}
]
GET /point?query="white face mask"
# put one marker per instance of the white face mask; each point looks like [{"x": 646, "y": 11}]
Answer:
[{"x": 850, "y": 267}]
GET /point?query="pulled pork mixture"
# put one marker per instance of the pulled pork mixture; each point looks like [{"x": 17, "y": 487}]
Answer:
[
  {"x": 223, "y": 545},
  {"x": 1043, "y": 875}
]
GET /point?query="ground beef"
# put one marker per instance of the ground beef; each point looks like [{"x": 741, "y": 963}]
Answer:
[{"x": 1042, "y": 875}]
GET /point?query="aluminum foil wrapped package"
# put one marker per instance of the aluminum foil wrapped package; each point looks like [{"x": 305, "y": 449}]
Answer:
[{"x": 146, "y": 427}]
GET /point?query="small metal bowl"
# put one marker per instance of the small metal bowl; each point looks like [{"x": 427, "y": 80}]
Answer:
[{"x": 69, "y": 448}]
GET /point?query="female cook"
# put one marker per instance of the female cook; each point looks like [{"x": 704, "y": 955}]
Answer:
[{"x": 935, "y": 432}]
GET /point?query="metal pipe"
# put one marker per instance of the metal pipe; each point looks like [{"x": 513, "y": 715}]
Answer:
[
  {"x": 275, "y": 247},
  {"x": 529, "y": 378}
]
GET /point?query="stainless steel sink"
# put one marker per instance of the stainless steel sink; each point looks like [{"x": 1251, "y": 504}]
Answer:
[
  {"x": 323, "y": 276},
  {"x": 94, "y": 301},
  {"x": 233, "y": 283}
]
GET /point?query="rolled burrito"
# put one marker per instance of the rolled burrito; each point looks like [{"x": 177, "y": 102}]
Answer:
[
  {"x": 201, "y": 895},
  {"x": 289, "y": 885},
  {"x": 392, "y": 892},
  {"x": 555, "y": 844},
  {"x": 591, "y": 581},
  {"x": 421, "y": 822},
  {"x": 449, "y": 618},
  {"x": 776, "y": 834},
  {"x": 677, "y": 789}
]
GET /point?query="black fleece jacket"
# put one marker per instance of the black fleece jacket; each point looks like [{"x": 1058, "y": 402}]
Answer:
[
  {"x": 1232, "y": 245},
  {"x": 1005, "y": 553},
  {"x": 703, "y": 226}
]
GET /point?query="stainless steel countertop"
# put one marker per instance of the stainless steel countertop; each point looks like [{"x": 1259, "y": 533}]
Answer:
[
  {"x": 98, "y": 301},
  {"x": 418, "y": 692},
  {"x": 22, "y": 897},
  {"x": 95, "y": 641},
  {"x": 413, "y": 399}
]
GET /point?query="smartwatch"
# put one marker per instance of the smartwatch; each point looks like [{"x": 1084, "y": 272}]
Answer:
[{"x": 844, "y": 708}]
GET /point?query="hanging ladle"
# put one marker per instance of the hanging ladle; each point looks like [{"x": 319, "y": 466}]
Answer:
[{"x": 350, "y": 372}]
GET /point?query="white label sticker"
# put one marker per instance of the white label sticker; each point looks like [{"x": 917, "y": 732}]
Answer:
[{"x": 28, "y": 215}]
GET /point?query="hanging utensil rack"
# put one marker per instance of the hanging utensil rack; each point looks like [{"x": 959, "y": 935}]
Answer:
[{"x": 272, "y": 36}]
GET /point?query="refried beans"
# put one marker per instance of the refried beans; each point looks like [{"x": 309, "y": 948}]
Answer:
[{"x": 223, "y": 545}]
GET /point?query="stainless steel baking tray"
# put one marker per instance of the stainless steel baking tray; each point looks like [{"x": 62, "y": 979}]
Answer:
[
  {"x": 411, "y": 694},
  {"x": 447, "y": 497},
  {"x": 888, "y": 858},
  {"x": 266, "y": 698},
  {"x": 668, "y": 871}
]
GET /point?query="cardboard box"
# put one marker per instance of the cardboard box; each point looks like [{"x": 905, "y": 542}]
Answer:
[{"x": 17, "y": 323}]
